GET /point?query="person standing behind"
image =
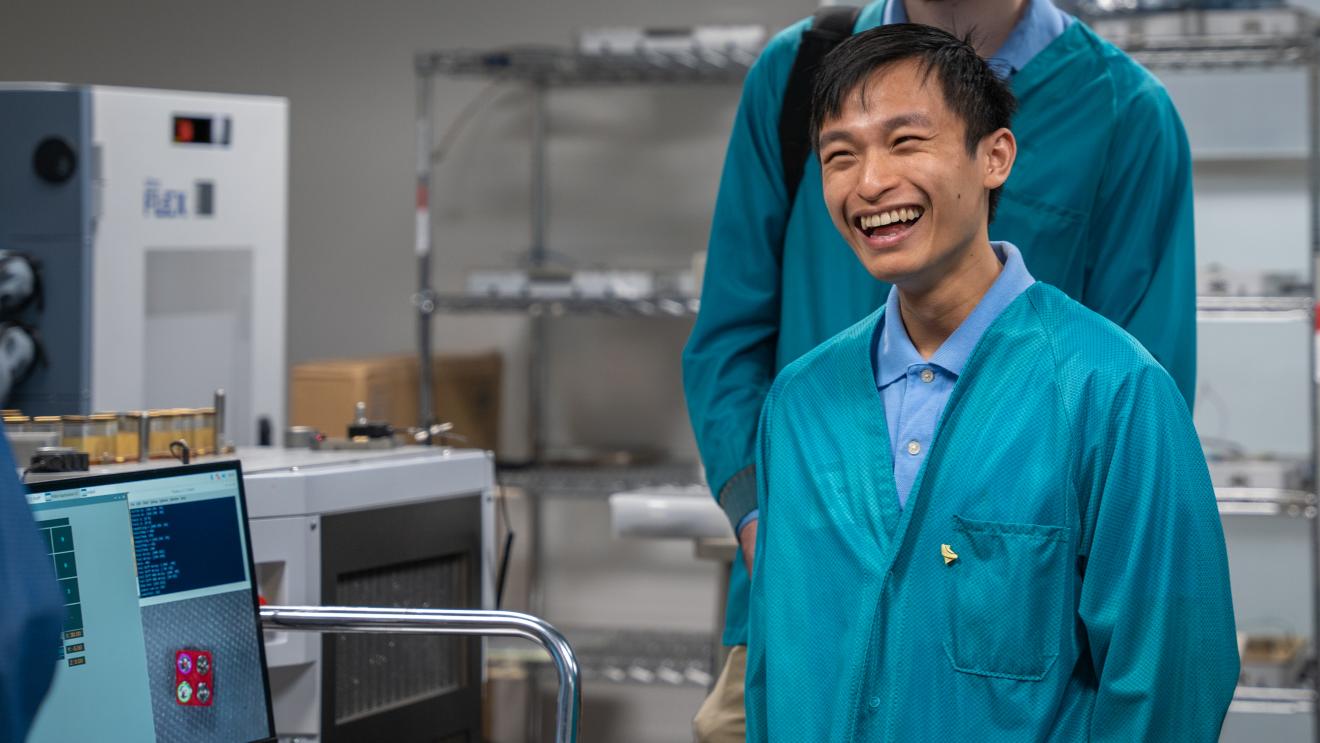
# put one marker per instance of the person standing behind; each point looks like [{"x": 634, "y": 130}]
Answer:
[
  {"x": 31, "y": 611},
  {"x": 1100, "y": 202}
]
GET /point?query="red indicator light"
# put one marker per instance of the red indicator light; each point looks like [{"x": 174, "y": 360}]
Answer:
[{"x": 184, "y": 131}]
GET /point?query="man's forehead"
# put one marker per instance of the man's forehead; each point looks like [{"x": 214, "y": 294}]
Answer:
[{"x": 905, "y": 83}]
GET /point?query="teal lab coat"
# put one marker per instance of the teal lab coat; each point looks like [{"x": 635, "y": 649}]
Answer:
[
  {"x": 1087, "y": 597},
  {"x": 1099, "y": 202},
  {"x": 31, "y": 607}
]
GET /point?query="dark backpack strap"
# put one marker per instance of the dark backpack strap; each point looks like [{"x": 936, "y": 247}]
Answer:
[{"x": 830, "y": 26}]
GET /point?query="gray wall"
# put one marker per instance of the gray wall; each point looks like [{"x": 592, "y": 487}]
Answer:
[{"x": 633, "y": 171}]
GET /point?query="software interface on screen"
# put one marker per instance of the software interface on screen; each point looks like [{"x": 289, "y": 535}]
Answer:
[{"x": 160, "y": 638}]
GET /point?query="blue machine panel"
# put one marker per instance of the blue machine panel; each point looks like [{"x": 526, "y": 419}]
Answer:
[{"x": 47, "y": 168}]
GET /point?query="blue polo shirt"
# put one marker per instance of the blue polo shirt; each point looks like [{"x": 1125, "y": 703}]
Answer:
[
  {"x": 915, "y": 390},
  {"x": 1040, "y": 24}
]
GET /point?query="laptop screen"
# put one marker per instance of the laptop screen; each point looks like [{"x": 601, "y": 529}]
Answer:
[{"x": 161, "y": 635}]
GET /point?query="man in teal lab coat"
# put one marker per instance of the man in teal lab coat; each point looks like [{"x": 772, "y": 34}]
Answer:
[
  {"x": 1100, "y": 203},
  {"x": 984, "y": 511}
]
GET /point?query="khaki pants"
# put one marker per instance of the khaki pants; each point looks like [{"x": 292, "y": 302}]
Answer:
[{"x": 722, "y": 717}]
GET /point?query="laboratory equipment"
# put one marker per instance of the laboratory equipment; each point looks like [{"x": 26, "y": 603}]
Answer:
[
  {"x": 47, "y": 424},
  {"x": 19, "y": 285},
  {"x": 19, "y": 355},
  {"x": 73, "y": 431},
  {"x": 55, "y": 459},
  {"x": 302, "y": 437},
  {"x": 668, "y": 512},
  {"x": 161, "y": 639},
  {"x": 93, "y": 434},
  {"x": 1103, "y": 8},
  {"x": 156, "y": 221},
  {"x": 584, "y": 284},
  {"x": 626, "y": 40},
  {"x": 102, "y": 437},
  {"x": 128, "y": 436},
  {"x": 23, "y": 441},
  {"x": 402, "y": 527},
  {"x": 1135, "y": 24},
  {"x": 1220, "y": 281}
]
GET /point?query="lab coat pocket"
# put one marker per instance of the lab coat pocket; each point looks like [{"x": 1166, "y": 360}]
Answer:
[{"x": 1005, "y": 597}]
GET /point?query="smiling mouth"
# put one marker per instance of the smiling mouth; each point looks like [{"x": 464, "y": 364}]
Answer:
[{"x": 887, "y": 225}]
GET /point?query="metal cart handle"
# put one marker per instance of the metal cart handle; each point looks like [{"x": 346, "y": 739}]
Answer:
[{"x": 447, "y": 622}]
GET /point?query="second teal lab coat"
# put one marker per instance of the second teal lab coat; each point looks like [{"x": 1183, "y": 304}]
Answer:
[
  {"x": 1099, "y": 202},
  {"x": 1058, "y": 572}
]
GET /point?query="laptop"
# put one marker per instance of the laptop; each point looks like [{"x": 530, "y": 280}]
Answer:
[{"x": 161, "y": 637}]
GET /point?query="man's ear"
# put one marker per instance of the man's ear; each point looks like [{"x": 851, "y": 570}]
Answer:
[{"x": 999, "y": 150}]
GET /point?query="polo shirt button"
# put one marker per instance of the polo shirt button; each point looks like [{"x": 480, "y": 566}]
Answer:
[
  {"x": 914, "y": 447},
  {"x": 927, "y": 376},
  {"x": 875, "y": 702}
]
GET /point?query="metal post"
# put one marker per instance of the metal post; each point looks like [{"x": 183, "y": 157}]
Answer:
[
  {"x": 537, "y": 258},
  {"x": 144, "y": 430},
  {"x": 537, "y": 351},
  {"x": 1313, "y": 187},
  {"x": 537, "y": 348},
  {"x": 425, "y": 298},
  {"x": 221, "y": 424},
  {"x": 537, "y": 254},
  {"x": 448, "y": 622}
]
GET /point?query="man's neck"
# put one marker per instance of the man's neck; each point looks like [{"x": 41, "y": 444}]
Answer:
[
  {"x": 990, "y": 21},
  {"x": 931, "y": 313}
]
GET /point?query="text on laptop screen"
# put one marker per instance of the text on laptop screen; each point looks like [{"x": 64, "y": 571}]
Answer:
[{"x": 160, "y": 639}]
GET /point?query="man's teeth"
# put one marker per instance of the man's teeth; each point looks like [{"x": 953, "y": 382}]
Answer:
[{"x": 892, "y": 216}]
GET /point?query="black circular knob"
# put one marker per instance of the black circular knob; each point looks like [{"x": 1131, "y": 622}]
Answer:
[{"x": 55, "y": 161}]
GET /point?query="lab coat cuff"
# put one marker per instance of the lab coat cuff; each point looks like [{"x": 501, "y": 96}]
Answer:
[
  {"x": 745, "y": 520},
  {"x": 738, "y": 496}
]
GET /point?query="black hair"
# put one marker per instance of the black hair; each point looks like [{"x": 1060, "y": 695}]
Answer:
[{"x": 971, "y": 89}]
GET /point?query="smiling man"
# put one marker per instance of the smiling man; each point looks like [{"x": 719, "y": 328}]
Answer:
[{"x": 984, "y": 511}]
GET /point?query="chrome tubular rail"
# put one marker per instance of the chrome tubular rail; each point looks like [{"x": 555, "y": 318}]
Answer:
[{"x": 447, "y": 622}]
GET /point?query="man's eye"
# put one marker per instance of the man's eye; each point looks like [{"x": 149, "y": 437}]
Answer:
[
  {"x": 906, "y": 139},
  {"x": 836, "y": 155}
]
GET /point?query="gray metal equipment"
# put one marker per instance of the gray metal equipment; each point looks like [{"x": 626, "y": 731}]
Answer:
[
  {"x": 18, "y": 355},
  {"x": 150, "y": 227},
  {"x": 18, "y": 281},
  {"x": 403, "y": 527},
  {"x": 1102, "y": 8}
]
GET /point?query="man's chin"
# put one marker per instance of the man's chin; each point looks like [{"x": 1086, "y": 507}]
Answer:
[{"x": 890, "y": 269}]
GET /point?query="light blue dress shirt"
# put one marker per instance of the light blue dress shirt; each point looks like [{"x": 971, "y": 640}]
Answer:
[
  {"x": 1040, "y": 24},
  {"x": 915, "y": 390}
]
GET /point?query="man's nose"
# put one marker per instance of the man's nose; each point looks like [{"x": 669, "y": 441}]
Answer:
[{"x": 877, "y": 177}]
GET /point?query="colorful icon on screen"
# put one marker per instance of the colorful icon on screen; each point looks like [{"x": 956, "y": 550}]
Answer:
[{"x": 194, "y": 683}]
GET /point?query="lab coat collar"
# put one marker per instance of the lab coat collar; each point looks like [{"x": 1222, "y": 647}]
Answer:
[{"x": 895, "y": 352}]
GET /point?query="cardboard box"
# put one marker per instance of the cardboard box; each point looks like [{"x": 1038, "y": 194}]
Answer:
[
  {"x": 322, "y": 394},
  {"x": 466, "y": 392}
]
